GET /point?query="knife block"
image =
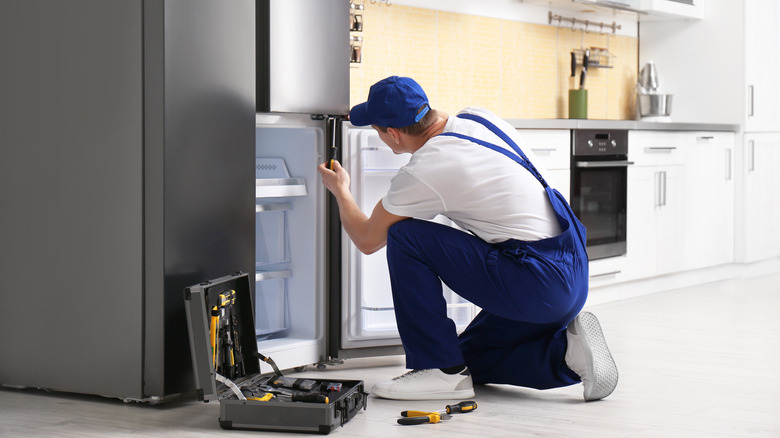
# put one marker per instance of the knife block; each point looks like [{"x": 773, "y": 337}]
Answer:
[{"x": 578, "y": 103}]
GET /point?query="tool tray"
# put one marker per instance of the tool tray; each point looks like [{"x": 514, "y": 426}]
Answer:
[{"x": 279, "y": 413}]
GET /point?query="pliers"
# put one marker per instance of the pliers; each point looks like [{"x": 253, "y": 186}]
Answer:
[{"x": 422, "y": 417}]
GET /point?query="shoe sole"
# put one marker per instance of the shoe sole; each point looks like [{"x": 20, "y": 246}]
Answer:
[
  {"x": 462, "y": 394},
  {"x": 605, "y": 372}
]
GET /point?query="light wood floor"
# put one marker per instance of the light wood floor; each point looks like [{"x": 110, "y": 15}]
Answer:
[{"x": 694, "y": 362}]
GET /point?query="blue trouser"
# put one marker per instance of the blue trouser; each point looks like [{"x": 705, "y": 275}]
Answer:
[
  {"x": 527, "y": 299},
  {"x": 528, "y": 292}
]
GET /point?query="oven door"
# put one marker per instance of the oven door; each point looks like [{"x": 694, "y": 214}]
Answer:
[{"x": 598, "y": 191}]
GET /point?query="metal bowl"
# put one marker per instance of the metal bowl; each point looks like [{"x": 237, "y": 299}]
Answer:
[{"x": 651, "y": 105}]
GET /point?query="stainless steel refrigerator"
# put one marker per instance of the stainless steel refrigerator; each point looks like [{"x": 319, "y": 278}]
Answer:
[
  {"x": 126, "y": 158},
  {"x": 132, "y": 131}
]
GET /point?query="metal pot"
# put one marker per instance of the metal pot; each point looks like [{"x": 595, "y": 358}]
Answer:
[{"x": 651, "y": 105}]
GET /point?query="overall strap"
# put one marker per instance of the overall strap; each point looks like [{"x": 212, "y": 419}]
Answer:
[{"x": 520, "y": 158}]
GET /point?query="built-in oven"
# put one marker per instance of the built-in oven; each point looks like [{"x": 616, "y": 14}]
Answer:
[{"x": 599, "y": 167}]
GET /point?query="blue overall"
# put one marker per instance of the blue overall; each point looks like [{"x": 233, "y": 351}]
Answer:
[{"x": 528, "y": 292}]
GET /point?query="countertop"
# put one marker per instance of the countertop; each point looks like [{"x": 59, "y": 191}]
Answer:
[{"x": 637, "y": 125}]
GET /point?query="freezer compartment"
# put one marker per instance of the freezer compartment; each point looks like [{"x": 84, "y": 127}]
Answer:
[{"x": 367, "y": 295}]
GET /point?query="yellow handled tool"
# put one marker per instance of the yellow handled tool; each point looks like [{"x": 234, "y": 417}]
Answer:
[
  {"x": 266, "y": 397},
  {"x": 462, "y": 407},
  {"x": 213, "y": 333},
  {"x": 420, "y": 417}
]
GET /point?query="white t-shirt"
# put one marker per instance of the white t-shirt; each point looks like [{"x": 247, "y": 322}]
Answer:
[{"x": 481, "y": 190}]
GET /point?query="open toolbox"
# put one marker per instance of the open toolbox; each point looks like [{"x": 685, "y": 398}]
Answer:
[{"x": 222, "y": 332}]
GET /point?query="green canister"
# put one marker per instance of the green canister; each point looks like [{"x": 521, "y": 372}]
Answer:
[{"x": 578, "y": 103}]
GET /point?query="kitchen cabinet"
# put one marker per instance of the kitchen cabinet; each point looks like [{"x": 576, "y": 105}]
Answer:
[
  {"x": 762, "y": 68},
  {"x": 655, "y": 208},
  {"x": 551, "y": 150},
  {"x": 669, "y": 10},
  {"x": 709, "y": 199},
  {"x": 761, "y": 196}
]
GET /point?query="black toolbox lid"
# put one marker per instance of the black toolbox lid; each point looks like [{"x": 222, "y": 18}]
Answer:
[{"x": 197, "y": 299}]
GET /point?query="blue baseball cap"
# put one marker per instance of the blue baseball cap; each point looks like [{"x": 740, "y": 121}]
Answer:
[{"x": 393, "y": 102}]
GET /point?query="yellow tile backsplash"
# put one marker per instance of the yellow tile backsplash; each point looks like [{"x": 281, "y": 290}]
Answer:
[{"x": 515, "y": 69}]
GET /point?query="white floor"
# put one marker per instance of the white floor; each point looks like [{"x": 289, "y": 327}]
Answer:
[{"x": 694, "y": 362}]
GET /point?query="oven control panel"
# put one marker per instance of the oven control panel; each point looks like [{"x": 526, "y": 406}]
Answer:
[{"x": 599, "y": 142}]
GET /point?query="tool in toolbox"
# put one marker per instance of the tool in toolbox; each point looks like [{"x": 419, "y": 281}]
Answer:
[{"x": 422, "y": 417}]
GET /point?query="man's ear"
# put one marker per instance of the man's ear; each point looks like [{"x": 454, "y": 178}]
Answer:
[{"x": 395, "y": 134}]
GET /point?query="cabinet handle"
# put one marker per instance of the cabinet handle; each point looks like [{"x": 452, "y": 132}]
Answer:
[
  {"x": 544, "y": 150},
  {"x": 750, "y": 101},
  {"x": 657, "y": 200},
  {"x": 660, "y": 148},
  {"x": 606, "y": 274},
  {"x": 663, "y": 188},
  {"x": 751, "y": 155},
  {"x": 604, "y": 163},
  {"x": 705, "y": 137},
  {"x": 728, "y": 164}
]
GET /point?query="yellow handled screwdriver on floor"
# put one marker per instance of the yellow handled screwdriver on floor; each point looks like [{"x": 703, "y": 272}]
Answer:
[{"x": 422, "y": 417}]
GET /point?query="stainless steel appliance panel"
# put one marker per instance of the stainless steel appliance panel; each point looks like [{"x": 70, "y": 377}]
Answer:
[
  {"x": 125, "y": 175},
  {"x": 71, "y": 229},
  {"x": 598, "y": 188},
  {"x": 305, "y": 66}
]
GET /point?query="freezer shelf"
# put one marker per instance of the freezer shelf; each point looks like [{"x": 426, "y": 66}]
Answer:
[{"x": 382, "y": 319}]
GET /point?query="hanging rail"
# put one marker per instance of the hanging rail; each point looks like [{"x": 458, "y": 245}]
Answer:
[{"x": 597, "y": 24}]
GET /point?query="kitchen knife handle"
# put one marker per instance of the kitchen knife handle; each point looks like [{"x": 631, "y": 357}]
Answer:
[
  {"x": 573, "y": 64},
  {"x": 585, "y": 57}
]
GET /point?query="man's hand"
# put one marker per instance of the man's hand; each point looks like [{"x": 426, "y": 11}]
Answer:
[
  {"x": 336, "y": 180},
  {"x": 369, "y": 234}
]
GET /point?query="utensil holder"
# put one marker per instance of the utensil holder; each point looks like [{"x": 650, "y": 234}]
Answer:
[{"x": 578, "y": 103}]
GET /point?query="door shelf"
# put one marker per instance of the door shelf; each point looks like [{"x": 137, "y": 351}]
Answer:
[
  {"x": 271, "y": 234},
  {"x": 272, "y": 308},
  {"x": 280, "y": 187}
]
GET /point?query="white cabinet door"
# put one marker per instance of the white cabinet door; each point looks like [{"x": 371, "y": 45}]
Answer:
[
  {"x": 655, "y": 217},
  {"x": 655, "y": 208},
  {"x": 550, "y": 151},
  {"x": 762, "y": 65},
  {"x": 761, "y": 196},
  {"x": 709, "y": 199}
]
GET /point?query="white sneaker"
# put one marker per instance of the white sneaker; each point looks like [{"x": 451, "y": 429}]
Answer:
[
  {"x": 587, "y": 355},
  {"x": 429, "y": 384}
]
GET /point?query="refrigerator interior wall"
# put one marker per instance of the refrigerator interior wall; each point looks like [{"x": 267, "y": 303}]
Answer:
[
  {"x": 368, "y": 298},
  {"x": 289, "y": 239}
]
